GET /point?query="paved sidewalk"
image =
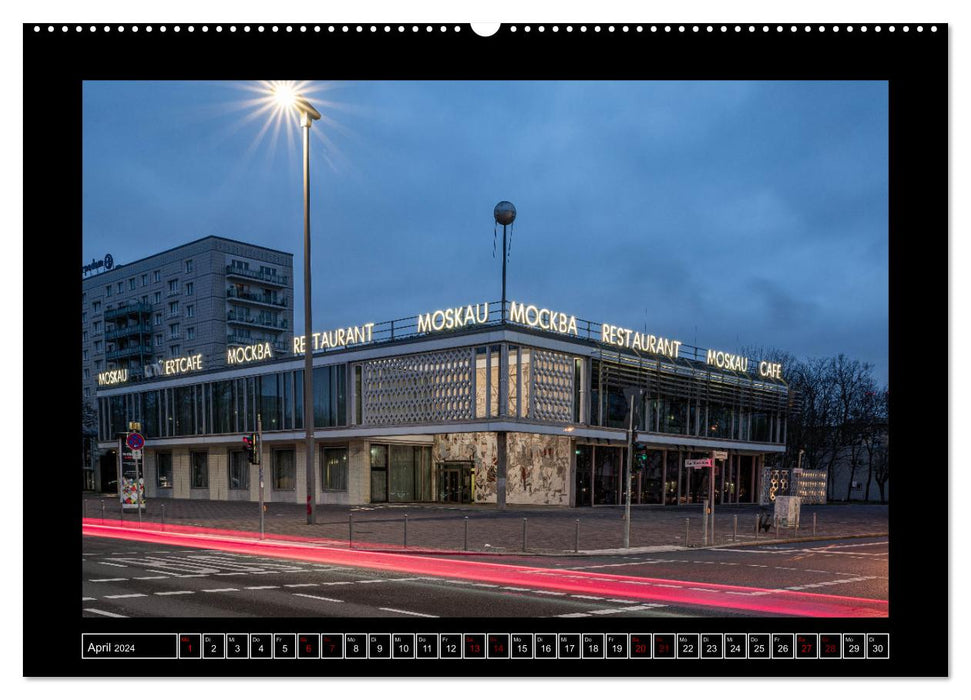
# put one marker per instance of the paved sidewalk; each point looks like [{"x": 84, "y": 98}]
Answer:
[{"x": 549, "y": 530}]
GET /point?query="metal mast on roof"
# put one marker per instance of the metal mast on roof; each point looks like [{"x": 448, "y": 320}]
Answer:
[{"x": 505, "y": 214}]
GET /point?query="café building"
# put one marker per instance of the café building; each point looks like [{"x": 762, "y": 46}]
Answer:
[{"x": 478, "y": 403}]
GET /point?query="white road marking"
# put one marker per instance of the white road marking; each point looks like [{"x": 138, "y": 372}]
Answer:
[
  {"x": 298, "y": 585},
  {"x": 218, "y": 590},
  {"x": 259, "y": 588},
  {"x": 108, "y": 563},
  {"x": 175, "y": 592},
  {"x": 83, "y": 599},
  {"x": 103, "y": 612},
  {"x": 105, "y": 580},
  {"x": 127, "y": 595},
  {"x": 407, "y": 612},
  {"x": 319, "y": 597},
  {"x": 147, "y": 578},
  {"x": 586, "y": 597}
]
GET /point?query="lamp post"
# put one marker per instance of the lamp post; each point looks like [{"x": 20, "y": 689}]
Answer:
[{"x": 288, "y": 98}]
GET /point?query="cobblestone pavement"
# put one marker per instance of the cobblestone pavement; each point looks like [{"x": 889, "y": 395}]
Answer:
[{"x": 547, "y": 529}]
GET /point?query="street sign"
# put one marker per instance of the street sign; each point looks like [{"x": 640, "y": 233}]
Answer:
[
  {"x": 135, "y": 441},
  {"x": 719, "y": 454},
  {"x": 136, "y": 454},
  {"x": 697, "y": 463},
  {"x": 134, "y": 426}
]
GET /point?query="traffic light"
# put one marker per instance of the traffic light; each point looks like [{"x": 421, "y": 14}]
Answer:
[
  {"x": 252, "y": 443},
  {"x": 640, "y": 455}
]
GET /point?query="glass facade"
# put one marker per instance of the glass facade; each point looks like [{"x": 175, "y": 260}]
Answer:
[
  {"x": 238, "y": 470},
  {"x": 284, "y": 470},
  {"x": 229, "y": 406},
  {"x": 163, "y": 470},
  {"x": 199, "y": 462}
]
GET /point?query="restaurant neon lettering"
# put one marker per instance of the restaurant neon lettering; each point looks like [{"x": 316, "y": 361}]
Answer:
[
  {"x": 340, "y": 337},
  {"x": 643, "y": 342}
]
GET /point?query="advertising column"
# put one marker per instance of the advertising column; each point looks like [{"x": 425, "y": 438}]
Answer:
[{"x": 131, "y": 486}]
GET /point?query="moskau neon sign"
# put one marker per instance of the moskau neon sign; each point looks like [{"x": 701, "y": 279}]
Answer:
[
  {"x": 249, "y": 353},
  {"x": 338, "y": 338},
  {"x": 452, "y": 318},
  {"x": 738, "y": 363},
  {"x": 112, "y": 376}
]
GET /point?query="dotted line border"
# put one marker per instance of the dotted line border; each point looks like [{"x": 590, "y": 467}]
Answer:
[{"x": 512, "y": 28}]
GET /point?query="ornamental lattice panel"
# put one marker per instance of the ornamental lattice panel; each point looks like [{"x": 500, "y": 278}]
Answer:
[
  {"x": 433, "y": 386},
  {"x": 551, "y": 398}
]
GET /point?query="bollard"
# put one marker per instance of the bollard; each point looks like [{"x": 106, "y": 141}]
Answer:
[
  {"x": 756, "y": 527},
  {"x": 814, "y": 524},
  {"x": 686, "y": 522},
  {"x": 576, "y": 543},
  {"x": 466, "y": 547},
  {"x": 704, "y": 533},
  {"x": 734, "y": 528},
  {"x": 524, "y": 534},
  {"x": 350, "y": 530},
  {"x": 102, "y": 511},
  {"x": 406, "y": 531}
]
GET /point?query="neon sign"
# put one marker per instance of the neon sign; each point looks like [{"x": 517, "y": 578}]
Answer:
[
  {"x": 340, "y": 337},
  {"x": 542, "y": 318},
  {"x": 456, "y": 317},
  {"x": 249, "y": 353}
]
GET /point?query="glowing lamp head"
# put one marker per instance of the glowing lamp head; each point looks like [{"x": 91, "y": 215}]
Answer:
[{"x": 285, "y": 95}]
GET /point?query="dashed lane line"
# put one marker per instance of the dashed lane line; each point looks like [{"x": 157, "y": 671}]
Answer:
[
  {"x": 259, "y": 588},
  {"x": 175, "y": 593},
  {"x": 105, "y": 580},
  {"x": 219, "y": 590},
  {"x": 103, "y": 612},
  {"x": 407, "y": 612},
  {"x": 318, "y": 597},
  {"x": 126, "y": 595}
]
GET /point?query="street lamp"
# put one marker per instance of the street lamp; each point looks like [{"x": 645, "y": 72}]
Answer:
[{"x": 288, "y": 98}]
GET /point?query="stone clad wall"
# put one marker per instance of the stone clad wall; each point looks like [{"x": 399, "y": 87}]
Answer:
[{"x": 537, "y": 466}]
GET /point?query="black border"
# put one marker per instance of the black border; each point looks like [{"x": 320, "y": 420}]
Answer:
[{"x": 914, "y": 62}]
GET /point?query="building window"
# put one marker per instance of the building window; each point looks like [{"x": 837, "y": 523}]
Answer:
[
  {"x": 145, "y": 280},
  {"x": 163, "y": 465},
  {"x": 238, "y": 470},
  {"x": 190, "y": 333},
  {"x": 97, "y": 326},
  {"x": 200, "y": 470},
  {"x": 175, "y": 350},
  {"x": 157, "y": 276},
  {"x": 97, "y": 346},
  {"x": 87, "y": 374},
  {"x": 84, "y": 317},
  {"x": 97, "y": 365},
  {"x": 188, "y": 265},
  {"x": 131, "y": 284},
  {"x": 189, "y": 288},
  {"x": 173, "y": 286},
  {"x": 84, "y": 336},
  {"x": 108, "y": 291},
  {"x": 158, "y": 340},
  {"x": 121, "y": 287},
  {"x": 333, "y": 469},
  {"x": 174, "y": 308},
  {"x": 284, "y": 470},
  {"x": 84, "y": 355},
  {"x": 190, "y": 310},
  {"x": 87, "y": 391},
  {"x": 173, "y": 330},
  {"x": 96, "y": 306},
  {"x": 158, "y": 319}
]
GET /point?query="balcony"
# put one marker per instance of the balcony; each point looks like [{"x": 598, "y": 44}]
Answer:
[
  {"x": 233, "y": 293},
  {"x": 126, "y": 310},
  {"x": 130, "y": 351},
  {"x": 255, "y": 321},
  {"x": 279, "y": 346},
  {"x": 277, "y": 280},
  {"x": 132, "y": 329}
]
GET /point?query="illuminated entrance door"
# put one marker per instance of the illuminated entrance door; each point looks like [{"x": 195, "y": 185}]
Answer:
[{"x": 455, "y": 482}]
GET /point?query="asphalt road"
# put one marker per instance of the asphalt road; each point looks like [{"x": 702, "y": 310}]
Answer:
[{"x": 136, "y": 579}]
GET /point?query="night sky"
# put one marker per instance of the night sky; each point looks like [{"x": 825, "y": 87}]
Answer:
[{"x": 727, "y": 215}]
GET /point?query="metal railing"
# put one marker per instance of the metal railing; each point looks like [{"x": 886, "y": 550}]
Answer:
[
  {"x": 279, "y": 280},
  {"x": 233, "y": 293}
]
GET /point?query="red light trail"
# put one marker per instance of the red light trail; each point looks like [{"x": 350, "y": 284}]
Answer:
[{"x": 712, "y": 595}]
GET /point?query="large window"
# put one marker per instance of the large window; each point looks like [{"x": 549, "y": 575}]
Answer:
[
  {"x": 333, "y": 468},
  {"x": 150, "y": 414},
  {"x": 271, "y": 401},
  {"x": 163, "y": 470},
  {"x": 284, "y": 470},
  {"x": 379, "y": 473},
  {"x": 238, "y": 470},
  {"x": 224, "y": 407},
  {"x": 200, "y": 469},
  {"x": 184, "y": 413}
]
